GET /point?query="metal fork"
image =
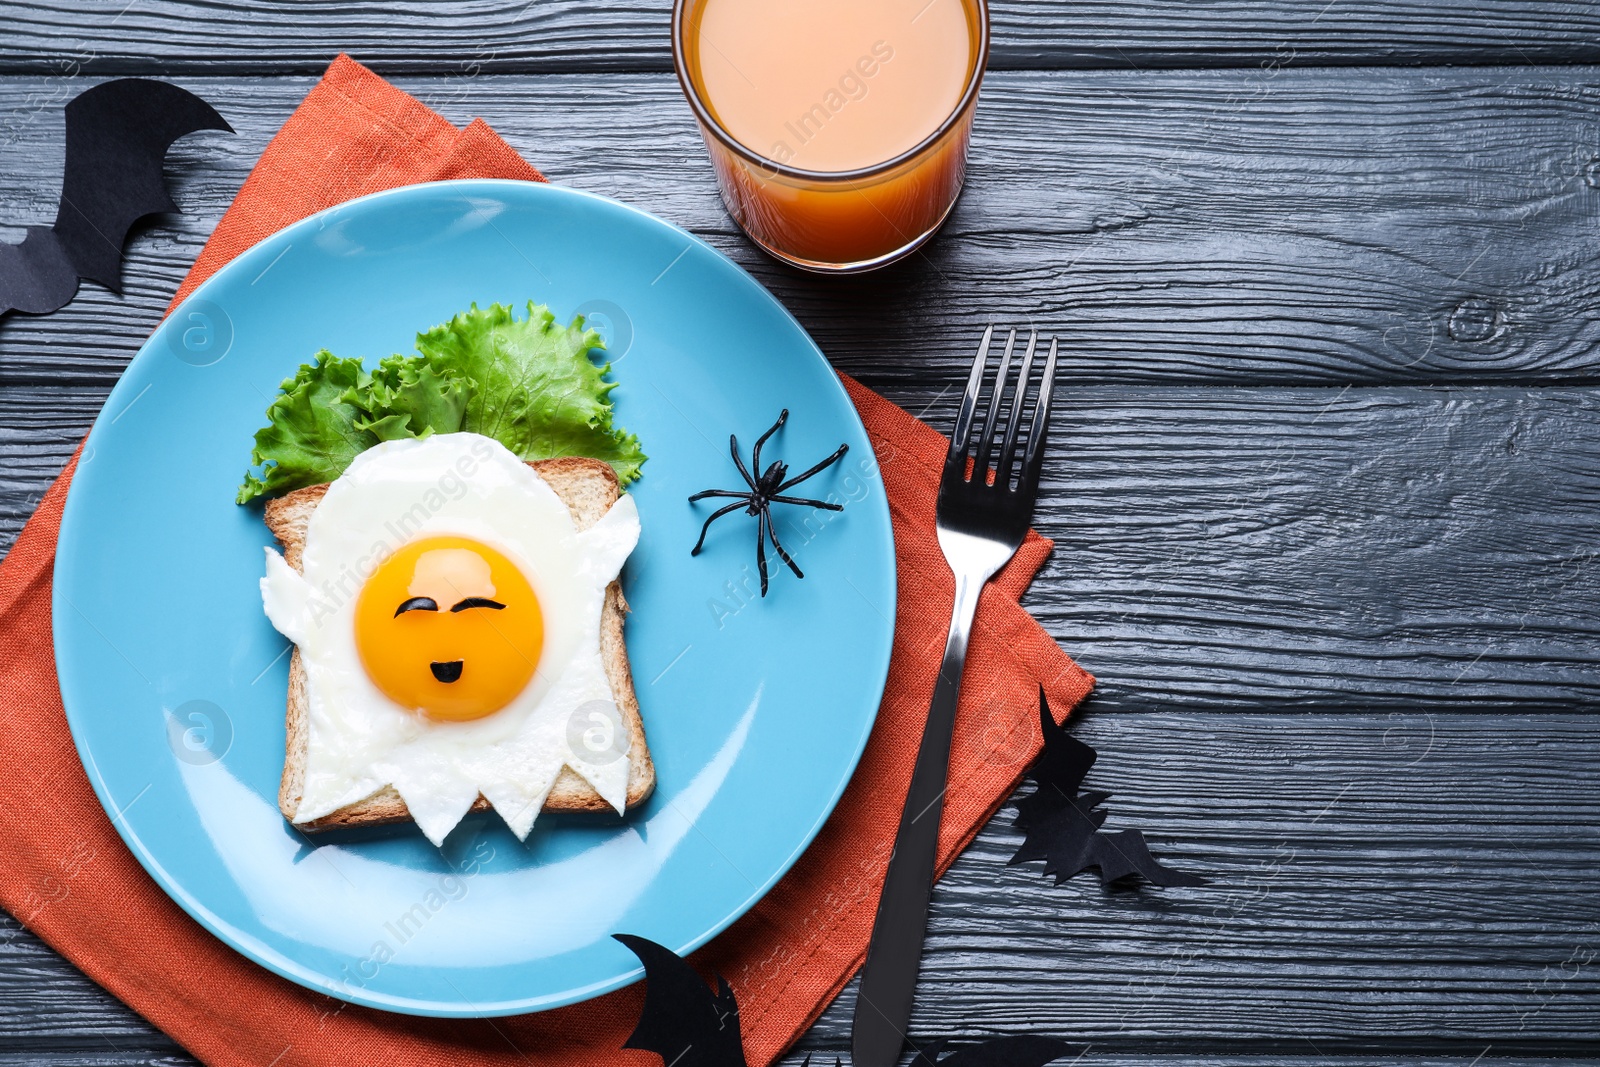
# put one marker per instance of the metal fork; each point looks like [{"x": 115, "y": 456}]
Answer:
[{"x": 982, "y": 518}]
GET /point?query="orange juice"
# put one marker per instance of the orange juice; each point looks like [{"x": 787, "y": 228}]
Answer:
[{"x": 838, "y": 128}]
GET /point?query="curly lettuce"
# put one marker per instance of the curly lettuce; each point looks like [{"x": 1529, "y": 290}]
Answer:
[
  {"x": 310, "y": 430},
  {"x": 332, "y": 410},
  {"x": 528, "y": 383},
  {"x": 409, "y": 397},
  {"x": 538, "y": 392}
]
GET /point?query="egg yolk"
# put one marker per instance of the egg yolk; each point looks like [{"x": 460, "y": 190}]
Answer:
[{"x": 450, "y": 628}]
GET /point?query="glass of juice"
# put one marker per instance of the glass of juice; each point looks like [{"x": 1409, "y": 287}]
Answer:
[{"x": 838, "y": 128}]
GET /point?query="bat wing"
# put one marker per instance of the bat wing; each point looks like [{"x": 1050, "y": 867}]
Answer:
[
  {"x": 118, "y": 134},
  {"x": 1021, "y": 1051},
  {"x": 683, "y": 1020},
  {"x": 1065, "y": 761},
  {"x": 36, "y": 276},
  {"x": 1126, "y": 853},
  {"x": 1062, "y": 827}
]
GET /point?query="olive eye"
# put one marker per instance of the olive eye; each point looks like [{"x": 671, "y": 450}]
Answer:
[
  {"x": 416, "y": 603},
  {"x": 476, "y": 602}
]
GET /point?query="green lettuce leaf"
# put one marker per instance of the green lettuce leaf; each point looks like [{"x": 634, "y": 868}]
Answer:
[
  {"x": 528, "y": 383},
  {"x": 409, "y": 397},
  {"x": 537, "y": 391},
  {"x": 311, "y": 433},
  {"x": 332, "y": 410}
]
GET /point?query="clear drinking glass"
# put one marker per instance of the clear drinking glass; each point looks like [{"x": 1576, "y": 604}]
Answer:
[{"x": 837, "y": 221}]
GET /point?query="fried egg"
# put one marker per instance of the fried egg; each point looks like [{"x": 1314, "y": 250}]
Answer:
[{"x": 448, "y": 614}]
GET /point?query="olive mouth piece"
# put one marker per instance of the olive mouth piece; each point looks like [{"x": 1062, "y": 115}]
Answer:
[{"x": 447, "y": 672}]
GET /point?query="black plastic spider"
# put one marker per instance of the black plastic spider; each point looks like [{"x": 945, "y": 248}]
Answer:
[{"x": 765, "y": 491}]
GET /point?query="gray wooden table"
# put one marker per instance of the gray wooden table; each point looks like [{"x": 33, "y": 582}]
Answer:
[{"x": 1324, "y": 487}]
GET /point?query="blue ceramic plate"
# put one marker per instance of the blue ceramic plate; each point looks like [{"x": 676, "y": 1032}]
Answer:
[{"x": 757, "y": 710}]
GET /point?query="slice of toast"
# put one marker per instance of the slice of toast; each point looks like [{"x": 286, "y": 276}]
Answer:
[{"x": 588, "y": 487}]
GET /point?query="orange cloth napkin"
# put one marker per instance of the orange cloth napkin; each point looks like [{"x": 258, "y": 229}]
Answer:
[{"x": 67, "y": 876}]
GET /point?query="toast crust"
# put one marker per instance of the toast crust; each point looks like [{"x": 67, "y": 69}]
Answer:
[{"x": 588, "y": 487}]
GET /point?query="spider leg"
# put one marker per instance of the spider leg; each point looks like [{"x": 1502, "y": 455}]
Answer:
[
  {"x": 761, "y": 552},
  {"x": 755, "y": 456},
  {"x": 772, "y": 532},
  {"x": 818, "y": 469},
  {"x": 823, "y": 504},
  {"x": 733, "y": 448},
  {"x": 715, "y": 515},
  {"x": 717, "y": 492}
]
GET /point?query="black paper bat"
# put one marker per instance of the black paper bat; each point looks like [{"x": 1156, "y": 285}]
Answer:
[
  {"x": 1022, "y": 1051},
  {"x": 683, "y": 1021},
  {"x": 1063, "y": 829},
  {"x": 688, "y": 1024},
  {"x": 118, "y": 134}
]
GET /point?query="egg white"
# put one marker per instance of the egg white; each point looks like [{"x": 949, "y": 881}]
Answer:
[{"x": 465, "y": 485}]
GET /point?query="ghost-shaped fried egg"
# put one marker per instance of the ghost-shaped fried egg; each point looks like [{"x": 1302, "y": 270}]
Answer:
[{"x": 448, "y": 616}]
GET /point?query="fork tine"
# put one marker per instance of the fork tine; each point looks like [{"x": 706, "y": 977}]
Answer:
[
  {"x": 1038, "y": 428},
  {"x": 1008, "y": 450},
  {"x": 980, "y": 466},
  {"x": 969, "y": 399}
]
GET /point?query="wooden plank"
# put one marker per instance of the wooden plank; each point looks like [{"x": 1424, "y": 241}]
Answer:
[
  {"x": 1382, "y": 883},
  {"x": 73, "y": 1057},
  {"x": 1325, "y": 226},
  {"x": 1317, "y": 547},
  {"x": 187, "y": 37},
  {"x": 1274, "y": 548},
  {"x": 1356, "y": 918},
  {"x": 46, "y": 1004},
  {"x": 39, "y": 429}
]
